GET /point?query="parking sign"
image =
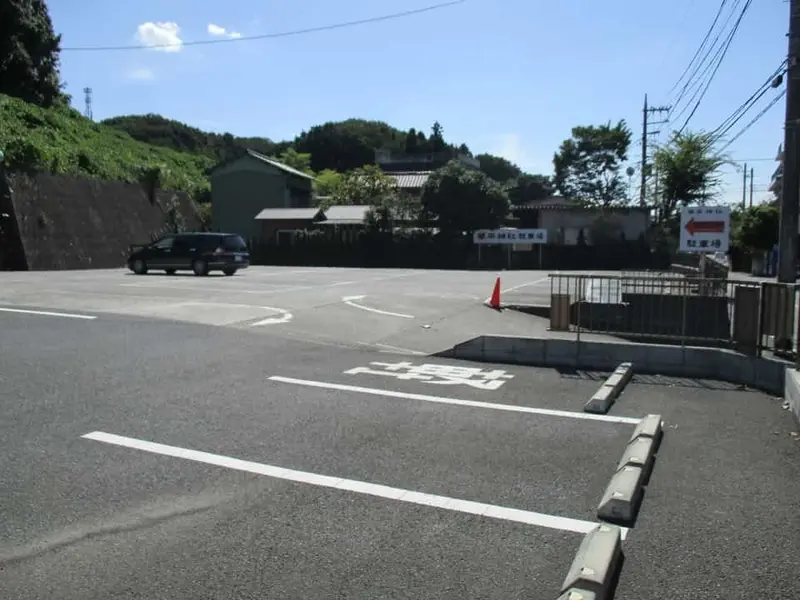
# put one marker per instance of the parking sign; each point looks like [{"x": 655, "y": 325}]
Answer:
[{"x": 705, "y": 229}]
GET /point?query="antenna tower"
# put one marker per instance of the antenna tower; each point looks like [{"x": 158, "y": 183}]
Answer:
[{"x": 87, "y": 98}]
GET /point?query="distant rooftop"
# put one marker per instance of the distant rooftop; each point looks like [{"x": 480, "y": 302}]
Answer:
[
  {"x": 410, "y": 180},
  {"x": 288, "y": 214},
  {"x": 345, "y": 215}
]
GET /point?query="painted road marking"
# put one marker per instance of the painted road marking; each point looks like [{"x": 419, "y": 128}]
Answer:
[
  {"x": 437, "y": 374},
  {"x": 456, "y": 401},
  {"x": 351, "y": 485},
  {"x": 46, "y": 313},
  {"x": 396, "y": 349},
  {"x": 283, "y": 316},
  {"x": 522, "y": 285},
  {"x": 352, "y": 301}
]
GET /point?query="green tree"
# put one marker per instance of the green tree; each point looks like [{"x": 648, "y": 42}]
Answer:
[
  {"x": 587, "y": 165},
  {"x": 498, "y": 168},
  {"x": 296, "y": 160},
  {"x": 464, "y": 199},
  {"x": 327, "y": 182},
  {"x": 436, "y": 140},
  {"x": 758, "y": 227},
  {"x": 365, "y": 186},
  {"x": 688, "y": 172},
  {"x": 29, "y": 52},
  {"x": 411, "y": 145},
  {"x": 529, "y": 188}
]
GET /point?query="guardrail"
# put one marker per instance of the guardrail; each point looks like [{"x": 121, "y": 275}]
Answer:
[{"x": 665, "y": 308}]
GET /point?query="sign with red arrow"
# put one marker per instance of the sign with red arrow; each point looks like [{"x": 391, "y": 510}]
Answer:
[
  {"x": 694, "y": 226},
  {"x": 705, "y": 229}
]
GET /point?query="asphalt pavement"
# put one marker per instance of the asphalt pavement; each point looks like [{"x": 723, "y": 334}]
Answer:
[
  {"x": 720, "y": 515},
  {"x": 389, "y": 309},
  {"x": 283, "y": 434},
  {"x": 202, "y": 477}
]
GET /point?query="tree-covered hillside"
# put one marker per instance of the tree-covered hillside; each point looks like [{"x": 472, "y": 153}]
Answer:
[{"x": 341, "y": 146}]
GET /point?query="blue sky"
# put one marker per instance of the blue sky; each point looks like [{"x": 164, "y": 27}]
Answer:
[{"x": 510, "y": 77}]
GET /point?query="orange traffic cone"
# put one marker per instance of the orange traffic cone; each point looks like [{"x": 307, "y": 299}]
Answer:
[{"x": 494, "y": 301}]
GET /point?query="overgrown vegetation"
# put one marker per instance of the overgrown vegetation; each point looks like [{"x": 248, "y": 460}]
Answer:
[{"x": 61, "y": 140}]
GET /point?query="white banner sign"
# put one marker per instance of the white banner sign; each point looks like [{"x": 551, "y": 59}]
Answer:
[
  {"x": 510, "y": 236},
  {"x": 705, "y": 229}
]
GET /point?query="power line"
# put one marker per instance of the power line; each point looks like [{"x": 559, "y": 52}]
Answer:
[
  {"x": 268, "y": 36},
  {"x": 719, "y": 63},
  {"x": 764, "y": 111},
  {"x": 771, "y": 82},
  {"x": 696, "y": 78},
  {"x": 700, "y": 49},
  {"x": 694, "y": 84}
]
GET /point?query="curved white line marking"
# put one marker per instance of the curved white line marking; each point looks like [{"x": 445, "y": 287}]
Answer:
[
  {"x": 283, "y": 316},
  {"x": 351, "y": 301}
]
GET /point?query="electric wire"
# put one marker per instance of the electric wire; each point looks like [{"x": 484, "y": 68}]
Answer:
[
  {"x": 755, "y": 120},
  {"x": 266, "y": 36},
  {"x": 727, "y": 46},
  {"x": 723, "y": 128},
  {"x": 700, "y": 48},
  {"x": 694, "y": 84}
]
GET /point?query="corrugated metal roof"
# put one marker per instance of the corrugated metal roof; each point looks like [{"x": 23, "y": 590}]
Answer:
[
  {"x": 410, "y": 179},
  {"x": 337, "y": 215},
  {"x": 279, "y": 165},
  {"x": 287, "y": 214}
]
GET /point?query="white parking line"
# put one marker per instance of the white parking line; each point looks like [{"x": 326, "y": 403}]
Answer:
[
  {"x": 522, "y": 285},
  {"x": 351, "y": 301},
  {"x": 46, "y": 313},
  {"x": 351, "y": 485},
  {"x": 458, "y": 402}
]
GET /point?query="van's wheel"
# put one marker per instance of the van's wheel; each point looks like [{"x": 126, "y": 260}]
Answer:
[
  {"x": 139, "y": 267},
  {"x": 200, "y": 268},
  {"x": 229, "y": 271}
]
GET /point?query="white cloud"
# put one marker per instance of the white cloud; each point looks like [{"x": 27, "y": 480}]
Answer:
[
  {"x": 141, "y": 74},
  {"x": 219, "y": 31},
  {"x": 160, "y": 36}
]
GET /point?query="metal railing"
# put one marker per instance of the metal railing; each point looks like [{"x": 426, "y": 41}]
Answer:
[{"x": 668, "y": 308}]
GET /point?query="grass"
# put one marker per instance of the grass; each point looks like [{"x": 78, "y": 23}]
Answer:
[{"x": 61, "y": 140}]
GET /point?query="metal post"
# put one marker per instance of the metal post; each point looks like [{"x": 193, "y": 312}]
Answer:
[
  {"x": 751, "y": 187},
  {"x": 790, "y": 185},
  {"x": 744, "y": 187},
  {"x": 644, "y": 154}
]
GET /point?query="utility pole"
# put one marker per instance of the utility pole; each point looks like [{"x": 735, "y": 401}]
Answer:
[
  {"x": 751, "y": 187},
  {"x": 790, "y": 185},
  {"x": 647, "y": 111},
  {"x": 744, "y": 187}
]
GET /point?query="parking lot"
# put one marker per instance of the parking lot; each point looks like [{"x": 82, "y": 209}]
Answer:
[
  {"x": 389, "y": 309},
  {"x": 150, "y": 454}
]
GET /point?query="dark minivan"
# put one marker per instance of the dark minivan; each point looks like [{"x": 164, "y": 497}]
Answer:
[{"x": 197, "y": 252}]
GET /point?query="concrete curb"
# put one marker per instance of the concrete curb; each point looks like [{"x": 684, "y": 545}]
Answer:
[
  {"x": 623, "y": 496},
  {"x": 575, "y": 594},
  {"x": 608, "y": 393},
  {"x": 792, "y": 391},
  {"x": 595, "y": 565},
  {"x": 681, "y": 361},
  {"x": 650, "y": 427}
]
